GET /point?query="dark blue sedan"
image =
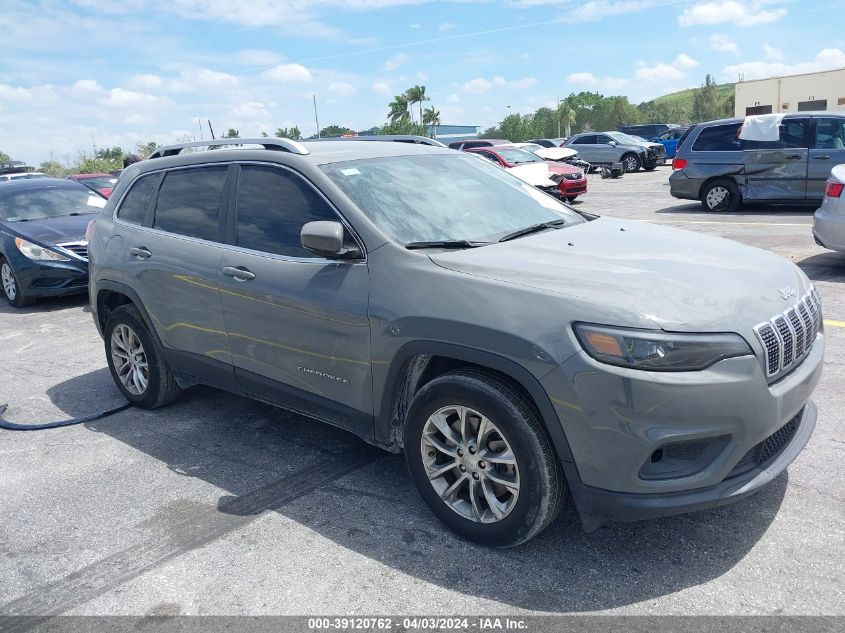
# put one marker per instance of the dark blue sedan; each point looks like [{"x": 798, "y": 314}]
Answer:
[{"x": 43, "y": 250}]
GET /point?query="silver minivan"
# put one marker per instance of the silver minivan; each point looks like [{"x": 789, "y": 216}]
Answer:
[{"x": 715, "y": 166}]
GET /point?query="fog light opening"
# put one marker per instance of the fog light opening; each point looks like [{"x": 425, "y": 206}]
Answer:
[{"x": 656, "y": 456}]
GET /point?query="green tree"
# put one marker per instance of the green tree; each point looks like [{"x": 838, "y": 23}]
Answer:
[
  {"x": 398, "y": 108},
  {"x": 566, "y": 117},
  {"x": 416, "y": 95},
  {"x": 401, "y": 126},
  {"x": 292, "y": 133},
  {"x": 87, "y": 164},
  {"x": 431, "y": 116},
  {"x": 705, "y": 102},
  {"x": 110, "y": 153},
  {"x": 4, "y": 157},
  {"x": 146, "y": 149},
  {"x": 729, "y": 106},
  {"x": 232, "y": 133},
  {"x": 336, "y": 130},
  {"x": 53, "y": 168}
]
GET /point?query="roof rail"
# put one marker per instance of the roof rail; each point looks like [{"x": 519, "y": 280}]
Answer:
[
  {"x": 279, "y": 144},
  {"x": 395, "y": 138}
]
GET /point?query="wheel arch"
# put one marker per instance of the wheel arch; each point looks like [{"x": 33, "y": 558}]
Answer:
[
  {"x": 112, "y": 295},
  {"x": 419, "y": 362}
]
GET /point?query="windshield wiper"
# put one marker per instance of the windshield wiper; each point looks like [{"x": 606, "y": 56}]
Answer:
[
  {"x": 534, "y": 228},
  {"x": 444, "y": 244}
]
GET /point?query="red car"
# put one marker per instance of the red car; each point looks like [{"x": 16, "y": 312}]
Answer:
[
  {"x": 573, "y": 181},
  {"x": 101, "y": 183}
]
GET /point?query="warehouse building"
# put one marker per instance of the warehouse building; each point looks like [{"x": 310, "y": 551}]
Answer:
[{"x": 794, "y": 93}]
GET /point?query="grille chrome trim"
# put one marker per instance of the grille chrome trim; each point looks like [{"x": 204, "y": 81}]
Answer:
[
  {"x": 78, "y": 249},
  {"x": 788, "y": 337}
]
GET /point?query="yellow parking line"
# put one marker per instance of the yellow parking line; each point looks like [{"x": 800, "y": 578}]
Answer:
[
  {"x": 835, "y": 323},
  {"x": 728, "y": 223}
]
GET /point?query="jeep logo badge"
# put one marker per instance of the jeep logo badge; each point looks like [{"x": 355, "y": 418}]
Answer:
[{"x": 787, "y": 293}]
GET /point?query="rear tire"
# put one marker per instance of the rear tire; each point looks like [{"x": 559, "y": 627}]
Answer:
[
  {"x": 720, "y": 196},
  {"x": 136, "y": 360},
  {"x": 632, "y": 162},
  {"x": 11, "y": 288},
  {"x": 504, "y": 485}
]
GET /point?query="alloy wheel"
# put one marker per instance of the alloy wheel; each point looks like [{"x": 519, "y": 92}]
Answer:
[
  {"x": 129, "y": 360},
  {"x": 10, "y": 286},
  {"x": 631, "y": 163},
  {"x": 718, "y": 198},
  {"x": 470, "y": 464}
]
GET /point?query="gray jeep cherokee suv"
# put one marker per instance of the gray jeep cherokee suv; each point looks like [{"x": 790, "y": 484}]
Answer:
[{"x": 430, "y": 302}]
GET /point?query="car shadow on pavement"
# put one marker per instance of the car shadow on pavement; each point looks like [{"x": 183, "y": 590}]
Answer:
[
  {"x": 827, "y": 266},
  {"x": 783, "y": 211},
  {"x": 47, "y": 305},
  {"x": 371, "y": 506}
]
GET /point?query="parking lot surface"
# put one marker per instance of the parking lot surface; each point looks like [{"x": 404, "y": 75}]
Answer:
[{"x": 221, "y": 505}]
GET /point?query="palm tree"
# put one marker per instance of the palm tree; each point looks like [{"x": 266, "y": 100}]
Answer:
[
  {"x": 416, "y": 95},
  {"x": 398, "y": 108},
  {"x": 431, "y": 117},
  {"x": 566, "y": 115}
]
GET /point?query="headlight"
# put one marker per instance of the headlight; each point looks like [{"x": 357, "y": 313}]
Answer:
[
  {"x": 658, "y": 351},
  {"x": 38, "y": 253}
]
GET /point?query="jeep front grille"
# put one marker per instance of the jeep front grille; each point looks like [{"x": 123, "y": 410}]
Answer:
[{"x": 788, "y": 337}]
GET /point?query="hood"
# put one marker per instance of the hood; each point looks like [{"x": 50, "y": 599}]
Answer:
[
  {"x": 69, "y": 228},
  {"x": 556, "y": 153},
  {"x": 679, "y": 280},
  {"x": 562, "y": 168},
  {"x": 535, "y": 174}
]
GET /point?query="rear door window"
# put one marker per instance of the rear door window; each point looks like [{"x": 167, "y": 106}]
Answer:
[
  {"x": 718, "y": 138},
  {"x": 134, "y": 206},
  {"x": 585, "y": 140},
  {"x": 830, "y": 133},
  {"x": 273, "y": 205},
  {"x": 189, "y": 202}
]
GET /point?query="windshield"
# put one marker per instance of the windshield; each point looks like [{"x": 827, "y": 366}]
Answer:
[
  {"x": 625, "y": 139},
  {"x": 531, "y": 147},
  {"x": 516, "y": 156},
  {"x": 48, "y": 202},
  {"x": 99, "y": 182},
  {"x": 444, "y": 197}
]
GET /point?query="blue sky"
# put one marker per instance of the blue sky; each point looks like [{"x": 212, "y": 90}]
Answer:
[{"x": 80, "y": 73}]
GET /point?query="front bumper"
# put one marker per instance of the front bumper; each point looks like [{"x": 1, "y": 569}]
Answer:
[
  {"x": 621, "y": 506},
  {"x": 50, "y": 279},
  {"x": 619, "y": 422},
  {"x": 829, "y": 229}
]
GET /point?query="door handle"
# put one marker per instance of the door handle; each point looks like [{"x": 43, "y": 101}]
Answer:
[
  {"x": 140, "y": 252},
  {"x": 821, "y": 157},
  {"x": 240, "y": 274},
  {"x": 794, "y": 156}
]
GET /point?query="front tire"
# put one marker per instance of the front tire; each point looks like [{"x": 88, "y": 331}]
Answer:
[
  {"x": 137, "y": 362},
  {"x": 632, "y": 162},
  {"x": 571, "y": 199},
  {"x": 11, "y": 288},
  {"x": 481, "y": 460},
  {"x": 720, "y": 196}
]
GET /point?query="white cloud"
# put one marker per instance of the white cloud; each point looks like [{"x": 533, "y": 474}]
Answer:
[
  {"x": 446, "y": 26},
  {"x": 86, "y": 87},
  {"x": 145, "y": 81},
  {"x": 206, "y": 79},
  {"x": 722, "y": 44},
  {"x": 288, "y": 72},
  {"x": 125, "y": 99},
  {"x": 826, "y": 59},
  {"x": 684, "y": 61},
  {"x": 381, "y": 88},
  {"x": 588, "y": 80},
  {"x": 595, "y": 10},
  {"x": 341, "y": 89},
  {"x": 480, "y": 84},
  {"x": 453, "y": 98},
  {"x": 659, "y": 73},
  {"x": 730, "y": 11},
  {"x": 773, "y": 54},
  {"x": 399, "y": 59},
  {"x": 251, "y": 110},
  {"x": 256, "y": 57}
]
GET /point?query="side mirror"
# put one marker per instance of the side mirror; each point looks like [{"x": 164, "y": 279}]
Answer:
[
  {"x": 614, "y": 143},
  {"x": 325, "y": 239}
]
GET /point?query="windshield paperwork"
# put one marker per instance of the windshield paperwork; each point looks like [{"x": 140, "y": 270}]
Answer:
[
  {"x": 445, "y": 198},
  {"x": 48, "y": 202}
]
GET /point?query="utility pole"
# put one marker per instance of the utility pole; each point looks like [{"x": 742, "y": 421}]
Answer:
[
  {"x": 316, "y": 118},
  {"x": 558, "y": 115}
]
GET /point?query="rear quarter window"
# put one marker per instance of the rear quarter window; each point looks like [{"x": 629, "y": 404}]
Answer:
[
  {"x": 133, "y": 208},
  {"x": 718, "y": 138}
]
